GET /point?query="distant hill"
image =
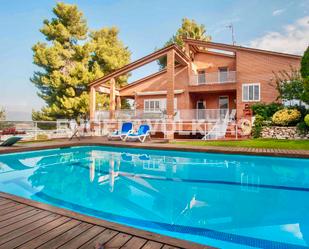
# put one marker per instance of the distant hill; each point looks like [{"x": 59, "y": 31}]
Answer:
[{"x": 18, "y": 115}]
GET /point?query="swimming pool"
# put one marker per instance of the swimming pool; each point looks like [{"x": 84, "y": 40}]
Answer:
[{"x": 226, "y": 201}]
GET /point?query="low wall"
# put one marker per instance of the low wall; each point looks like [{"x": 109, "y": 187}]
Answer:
[{"x": 280, "y": 132}]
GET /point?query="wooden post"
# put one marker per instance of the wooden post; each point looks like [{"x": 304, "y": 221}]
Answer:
[
  {"x": 170, "y": 69},
  {"x": 112, "y": 99},
  {"x": 118, "y": 102},
  {"x": 92, "y": 104}
]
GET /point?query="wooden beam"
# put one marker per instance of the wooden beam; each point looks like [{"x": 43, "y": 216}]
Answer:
[
  {"x": 118, "y": 102},
  {"x": 149, "y": 93},
  {"x": 112, "y": 100},
  {"x": 170, "y": 68},
  {"x": 180, "y": 59},
  {"x": 106, "y": 90},
  {"x": 138, "y": 63}
]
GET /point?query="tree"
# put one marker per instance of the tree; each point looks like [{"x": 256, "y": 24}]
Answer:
[
  {"x": 291, "y": 86},
  {"x": 304, "y": 70},
  {"x": 189, "y": 29},
  {"x": 2, "y": 114},
  {"x": 71, "y": 58}
]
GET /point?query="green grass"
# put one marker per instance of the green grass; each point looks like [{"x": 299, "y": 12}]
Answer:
[{"x": 253, "y": 143}]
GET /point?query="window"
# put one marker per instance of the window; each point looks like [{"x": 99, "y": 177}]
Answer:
[
  {"x": 251, "y": 92},
  {"x": 201, "y": 79},
  {"x": 223, "y": 74},
  {"x": 152, "y": 105}
]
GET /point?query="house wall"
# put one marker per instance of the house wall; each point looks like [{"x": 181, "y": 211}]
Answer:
[
  {"x": 251, "y": 67},
  {"x": 212, "y": 99},
  {"x": 211, "y": 62},
  {"x": 256, "y": 67},
  {"x": 159, "y": 83}
]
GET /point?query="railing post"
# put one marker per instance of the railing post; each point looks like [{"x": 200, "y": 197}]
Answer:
[
  {"x": 35, "y": 129},
  {"x": 204, "y": 128}
]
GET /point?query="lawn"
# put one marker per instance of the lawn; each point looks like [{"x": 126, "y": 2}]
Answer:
[{"x": 254, "y": 143}]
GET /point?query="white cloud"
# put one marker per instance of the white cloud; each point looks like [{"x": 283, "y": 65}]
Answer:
[
  {"x": 278, "y": 12},
  {"x": 294, "y": 38}
]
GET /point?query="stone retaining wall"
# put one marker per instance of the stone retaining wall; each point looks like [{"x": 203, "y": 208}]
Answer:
[{"x": 280, "y": 132}]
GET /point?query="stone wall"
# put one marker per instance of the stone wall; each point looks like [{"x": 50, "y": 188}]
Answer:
[{"x": 280, "y": 132}]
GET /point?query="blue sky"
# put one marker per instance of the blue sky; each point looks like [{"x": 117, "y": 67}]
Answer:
[{"x": 281, "y": 25}]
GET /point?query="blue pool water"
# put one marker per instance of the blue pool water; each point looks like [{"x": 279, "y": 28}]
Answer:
[{"x": 226, "y": 201}]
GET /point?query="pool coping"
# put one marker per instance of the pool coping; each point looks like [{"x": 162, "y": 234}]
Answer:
[
  {"x": 99, "y": 141},
  {"x": 107, "y": 224}
]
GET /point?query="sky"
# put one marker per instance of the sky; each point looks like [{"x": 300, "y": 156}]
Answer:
[{"x": 280, "y": 25}]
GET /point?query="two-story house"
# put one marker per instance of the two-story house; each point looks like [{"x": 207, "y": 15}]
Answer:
[{"x": 204, "y": 81}]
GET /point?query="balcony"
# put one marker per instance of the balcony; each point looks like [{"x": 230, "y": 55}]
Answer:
[{"x": 213, "y": 78}]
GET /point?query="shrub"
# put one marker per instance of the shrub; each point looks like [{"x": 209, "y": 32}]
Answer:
[
  {"x": 258, "y": 125},
  {"x": 286, "y": 117},
  {"x": 302, "y": 128},
  {"x": 266, "y": 110},
  {"x": 42, "y": 136},
  {"x": 306, "y": 119},
  {"x": 302, "y": 109}
]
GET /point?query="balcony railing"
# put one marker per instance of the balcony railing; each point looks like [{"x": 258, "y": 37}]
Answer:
[
  {"x": 213, "y": 78},
  {"x": 209, "y": 115}
]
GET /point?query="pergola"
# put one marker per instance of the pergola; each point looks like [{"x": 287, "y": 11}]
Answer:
[{"x": 107, "y": 85}]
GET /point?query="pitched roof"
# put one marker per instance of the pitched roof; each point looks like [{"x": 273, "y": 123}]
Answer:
[
  {"x": 179, "y": 54},
  {"x": 234, "y": 48}
]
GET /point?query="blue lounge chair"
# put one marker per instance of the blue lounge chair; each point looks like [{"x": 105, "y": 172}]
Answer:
[
  {"x": 141, "y": 135},
  {"x": 126, "y": 128},
  {"x": 10, "y": 141}
]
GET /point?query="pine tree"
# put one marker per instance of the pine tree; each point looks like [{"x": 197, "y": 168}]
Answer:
[
  {"x": 2, "y": 114},
  {"x": 71, "y": 58},
  {"x": 189, "y": 29}
]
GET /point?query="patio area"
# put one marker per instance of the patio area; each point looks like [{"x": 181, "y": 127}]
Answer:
[{"x": 181, "y": 145}]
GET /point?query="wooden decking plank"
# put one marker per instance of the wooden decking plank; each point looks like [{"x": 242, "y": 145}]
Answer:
[
  {"x": 134, "y": 242},
  {"x": 169, "y": 247},
  {"x": 100, "y": 239},
  {"x": 40, "y": 214},
  {"x": 28, "y": 228},
  {"x": 66, "y": 236},
  {"x": 38, "y": 237},
  {"x": 40, "y": 240},
  {"x": 17, "y": 218},
  {"x": 4, "y": 201},
  {"x": 11, "y": 209},
  {"x": 7, "y": 205},
  {"x": 152, "y": 245},
  {"x": 34, "y": 233},
  {"x": 118, "y": 241},
  {"x": 83, "y": 238},
  {"x": 16, "y": 213}
]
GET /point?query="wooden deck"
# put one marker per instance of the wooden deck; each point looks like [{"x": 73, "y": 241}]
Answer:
[{"x": 28, "y": 224}]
